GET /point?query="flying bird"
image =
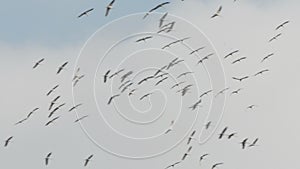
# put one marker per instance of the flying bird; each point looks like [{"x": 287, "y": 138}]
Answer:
[
  {"x": 205, "y": 58},
  {"x": 231, "y": 135},
  {"x": 223, "y": 133},
  {"x": 111, "y": 98},
  {"x": 191, "y": 137},
  {"x": 160, "y": 81},
  {"x": 146, "y": 95},
  {"x": 61, "y": 67},
  {"x": 81, "y": 118},
  {"x": 222, "y": 91},
  {"x": 261, "y": 72},
  {"x": 275, "y": 37},
  {"x": 173, "y": 165},
  {"x": 47, "y": 159},
  {"x": 170, "y": 128},
  {"x": 202, "y": 157},
  {"x": 126, "y": 76},
  {"x": 145, "y": 79},
  {"x": 239, "y": 60},
  {"x": 109, "y": 7},
  {"x": 282, "y": 25},
  {"x": 197, "y": 50},
  {"x": 106, "y": 76},
  {"x": 184, "y": 74},
  {"x": 85, "y": 13},
  {"x": 116, "y": 73},
  {"x": 240, "y": 79},
  {"x": 267, "y": 57},
  {"x": 236, "y": 91},
  {"x": 217, "y": 13},
  {"x": 177, "y": 84},
  {"x": 53, "y": 102},
  {"x": 162, "y": 19},
  {"x": 52, "y": 90},
  {"x": 216, "y": 165},
  {"x": 207, "y": 125},
  {"x": 86, "y": 161},
  {"x": 144, "y": 39},
  {"x": 38, "y": 63},
  {"x": 7, "y": 141},
  {"x": 52, "y": 121},
  {"x": 244, "y": 143},
  {"x": 75, "y": 107},
  {"x": 205, "y": 93},
  {"x": 254, "y": 143},
  {"x": 155, "y": 8},
  {"x": 231, "y": 54}
]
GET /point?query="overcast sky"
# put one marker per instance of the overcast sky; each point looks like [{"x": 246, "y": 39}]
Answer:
[{"x": 129, "y": 133}]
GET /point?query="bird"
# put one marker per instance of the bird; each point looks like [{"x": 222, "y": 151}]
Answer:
[
  {"x": 144, "y": 39},
  {"x": 116, "y": 73},
  {"x": 61, "y": 67},
  {"x": 240, "y": 79},
  {"x": 132, "y": 92},
  {"x": 196, "y": 50},
  {"x": 217, "y": 13},
  {"x": 21, "y": 121},
  {"x": 223, "y": 133},
  {"x": 204, "y": 58},
  {"x": 231, "y": 53},
  {"x": 75, "y": 107},
  {"x": 160, "y": 70},
  {"x": 261, "y": 72},
  {"x": 162, "y": 19},
  {"x": 85, "y": 13},
  {"x": 106, "y": 76},
  {"x": 34, "y": 110},
  {"x": 126, "y": 75},
  {"x": 123, "y": 84},
  {"x": 202, "y": 157},
  {"x": 231, "y": 135},
  {"x": 177, "y": 84},
  {"x": 167, "y": 27},
  {"x": 7, "y": 141},
  {"x": 109, "y": 7},
  {"x": 216, "y": 165},
  {"x": 191, "y": 137},
  {"x": 195, "y": 105},
  {"x": 52, "y": 90},
  {"x": 184, "y": 90},
  {"x": 170, "y": 128},
  {"x": 86, "y": 161},
  {"x": 52, "y": 121},
  {"x": 185, "y": 156},
  {"x": 275, "y": 37},
  {"x": 236, "y": 91},
  {"x": 77, "y": 79},
  {"x": 184, "y": 74},
  {"x": 173, "y": 165},
  {"x": 254, "y": 143},
  {"x": 282, "y": 25},
  {"x": 155, "y": 8},
  {"x": 161, "y": 75},
  {"x": 267, "y": 57},
  {"x": 244, "y": 143},
  {"x": 207, "y": 125},
  {"x": 222, "y": 91},
  {"x": 53, "y": 102},
  {"x": 111, "y": 98},
  {"x": 145, "y": 79},
  {"x": 205, "y": 93},
  {"x": 126, "y": 87},
  {"x": 239, "y": 60},
  {"x": 38, "y": 63},
  {"x": 47, "y": 159},
  {"x": 146, "y": 95},
  {"x": 160, "y": 81},
  {"x": 251, "y": 106},
  {"x": 81, "y": 118}
]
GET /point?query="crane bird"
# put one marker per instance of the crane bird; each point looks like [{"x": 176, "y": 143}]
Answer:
[
  {"x": 61, "y": 67},
  {"x": 177, "y": 84},
  {"x": 254, "y": 143},
  {"x": 173, "y": 165},
  {"x": 86, "y": 161},
  {"x": 126, "y": 75},
  {"x": 244, "y": 143},
  {"x": 160, "y": 81},
  {"x": 231, "y": 135},
  {"x": 261, "y": 72},
  {"x": 184, "y": 74},
  {"x": 38, "y": 63},
  {"x": 275, "y": 37},
  {"x": 223, "y": 133},
  {"x": 52, "y": 90},
  {"x": 222, "y": 91},
  {"x": 197, "y": 50},
  {"x": 191, "y": 137},
  {"x": 75, "y": 107},
  {"x": 205, "y": 93},
  {"x": 240, "y": 79},
  {"x": 109, "y": 7},
  {"x": 231, "y": 53},
  {"x": 239, "y": 60},
  {"x": 47, "y": 159},
  {"x": 267, "y": 57},
  {"x": 155, "y": 8},
  {"x": 202, "y": 157},
  {"x": 236, "y": 91},
  {"x": 216, "y": 165},
  {"x": 144, "y": 39},
  {"x": 146, "y": 95},
  {"x": 170, "y": 128},
  {"x": 85, "y": 13},
  {"x": 204, "y": 58},
  {"x": 8, "y": 140},
  {"x": 217, "y": 13},
  {"x": 282, "y": 25},
  {"x": 162, "y": 19},
  {"x": 52, "y": 121},
  {"x": 81, "y": 118},
  {"x": 53, "y": 102},
  {"x": 111, "y": 98},
  {"x": 116, "y": 73},
  {"x": 106, "y": 76}
]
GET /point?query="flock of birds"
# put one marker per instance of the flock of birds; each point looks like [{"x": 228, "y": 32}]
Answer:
[{"x": 160, "y": 76}]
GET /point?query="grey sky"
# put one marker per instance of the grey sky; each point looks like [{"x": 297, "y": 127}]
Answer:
[{"x": 245, "y": 25}]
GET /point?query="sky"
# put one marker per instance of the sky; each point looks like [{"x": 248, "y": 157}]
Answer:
[{"x": 130, "y": 132}]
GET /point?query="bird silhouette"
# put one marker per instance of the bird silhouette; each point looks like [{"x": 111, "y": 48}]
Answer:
[
  {"x": 106, "y": 76},
  {"x": 240, "y": 79},
  {"x": 231, "y": 53},
  {"x": 162, "y": 19},
  {"x": 282, "y": 25},
  {"x": 275, "y": 37},
  {"x": 75, "y": 107},
  {"x": 81, "y": 118},
  {"x": 62, "y": 67},
  {"x": 38, "y": 63},
  {"x": 155, "y": 8},
  {"x": 144, "y": 39},
  {"x": 261, "y": 72},
  {"x": 112, "y": 97},
  {"x": 52, "y": 90},
  {"x": 86, "y": 161},
  {"x": 223, "y": 133},
  {"x": 239, "y": 60},
  {"x": 52, "y": 121},
  {"x": 216, "y": 165},
  {"x": 85, "y": 13},
  {"x": 267, "y": 57},
  {"x": 197, "y": 50},
  {"x": 244, "y": 143},
  {"x": 7, "y": 141},
  {"x": 109, "y": 7},
  {"x": 47, "y": 159},
  {"x": 217, "y": 13}
]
